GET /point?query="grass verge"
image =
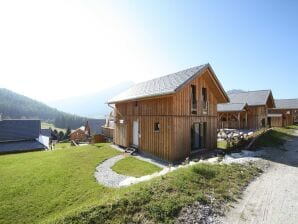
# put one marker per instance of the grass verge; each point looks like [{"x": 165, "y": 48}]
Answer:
[
  {"x": 161, "y": 199},
  {"x": 275, "y": 137},
  {"x": 131, "y": 166}
]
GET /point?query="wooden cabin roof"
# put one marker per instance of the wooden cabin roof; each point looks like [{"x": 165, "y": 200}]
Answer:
[
  {"x": 231, "y": 107},
  {"x": 165, "y": 85},
  {"x": 252, "y": 98},
  {"x": 286, "y": 104}
]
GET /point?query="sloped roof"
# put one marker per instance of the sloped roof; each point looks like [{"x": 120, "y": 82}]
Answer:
[
  {"x": 20, "y": 146},
  {"x": 230, "y": 107},
  {"x": 286, "y": 104},
  {"x": 16, "y": 130},
  {"x": 252, "y": 98},
  {"x": 95, "y": 126},
  {"x": 163, "y": 85}
]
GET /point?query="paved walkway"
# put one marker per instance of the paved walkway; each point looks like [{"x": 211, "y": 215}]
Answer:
[{"x": 106, "y": 176}]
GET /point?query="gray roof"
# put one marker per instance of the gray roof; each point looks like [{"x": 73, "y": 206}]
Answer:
[
  {"x": 252, "y": 98},
  {"x": 230, "y": 107},
  {"x": 286, "y": 104},
  {"x": 162, "y": 86},
  {"x": 95, "y": 126},
  {"x": 20, "y": 146},
  {"x": 16, "y": 130}
]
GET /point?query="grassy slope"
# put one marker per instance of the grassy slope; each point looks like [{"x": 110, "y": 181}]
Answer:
[
  {"x": 37, "y": 185},
  {"x": 275, "y": 137},
  {"x": 58, "y": 186},
  {"x": 160, "y": 200},
  {"x": 130, "y": 166}
]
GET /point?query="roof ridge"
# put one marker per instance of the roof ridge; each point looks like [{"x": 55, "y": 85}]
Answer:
[
  {"x": 172, "y": 73},
  {"x": 287, "y": 99},
  {"x": 249, "y": 91}
]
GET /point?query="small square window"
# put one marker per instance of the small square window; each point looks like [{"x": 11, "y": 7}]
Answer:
[{"x": 156, "y": 126}]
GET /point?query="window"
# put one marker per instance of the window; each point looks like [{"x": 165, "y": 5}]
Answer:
[
  {"x": 193, "y": 105},
  {"x": 205, "y": 98},
  {"x": 156, "y": 126}
]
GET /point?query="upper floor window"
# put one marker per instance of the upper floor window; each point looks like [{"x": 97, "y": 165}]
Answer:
[
  {"x": 193, "y": 105},
  {"x": 205, "y": 98},
  {"x": 157, "y": 127}
]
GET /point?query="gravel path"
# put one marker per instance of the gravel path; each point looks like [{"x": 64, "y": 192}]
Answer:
[
  {"x": 273, "y": 197},
  {"x": 106, "y": 176}
]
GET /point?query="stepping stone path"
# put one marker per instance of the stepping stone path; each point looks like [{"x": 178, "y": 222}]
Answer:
[{"x": 106, "y": 176}]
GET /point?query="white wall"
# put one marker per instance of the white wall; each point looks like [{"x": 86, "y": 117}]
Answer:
[{"x": 44, "y": 140}]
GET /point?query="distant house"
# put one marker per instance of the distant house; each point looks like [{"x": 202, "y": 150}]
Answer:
[
  {"x": 79, "y": 135},
  {"x": 109, "y": 127},
  {"x": 246, "y": 110},
  {"x": 285, "y": 113},
  {"x": 20, "y": 136},
  {"x": 93, "y": 128},
  {"x": 170, "y": 117}
]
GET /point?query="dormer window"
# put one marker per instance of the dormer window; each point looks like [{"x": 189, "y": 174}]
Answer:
[{"x": 193, "y": 95}]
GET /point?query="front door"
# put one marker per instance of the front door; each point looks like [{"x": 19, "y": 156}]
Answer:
[
  {"x": 198, "y": 136},
  {"x": 135, "y": 140}
]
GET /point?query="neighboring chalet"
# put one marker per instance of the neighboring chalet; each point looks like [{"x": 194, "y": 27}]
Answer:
[
  {"x": 20, "y": 136},
  {"x": 109, "y": 127},
  {"x": 79, "y": 135},
  {"x": 93, "y": 128},
  {"x": 246, "y": 110},
  {"x": 170, "y": 117},
  {"x": 285, "y": 113}
]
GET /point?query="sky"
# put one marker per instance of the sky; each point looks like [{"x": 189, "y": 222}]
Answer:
[{"x": 50, "y": 50}]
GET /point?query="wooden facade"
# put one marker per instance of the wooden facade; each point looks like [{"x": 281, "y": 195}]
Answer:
[
  {"x": 233, "y": 120},
  {"x": 287, "y": 117},
  {"x": 251, "y": 117},
  {"x": 79, "y": 135},
  {"x": 165, "y": 123}
]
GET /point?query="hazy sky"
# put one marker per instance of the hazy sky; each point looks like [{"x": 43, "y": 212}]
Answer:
[{"x": 55, "y": 49}]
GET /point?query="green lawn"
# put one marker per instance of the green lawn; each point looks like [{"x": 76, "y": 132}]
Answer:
[
  {"x": 53, "y": 127},
  {"x": 59, "y": 187},
  {"x": 275, "y": 137},
  {"x": 64, "y": 145},
  {"x": 38, "y": 185},
  {"x": 131, "y": 166}
]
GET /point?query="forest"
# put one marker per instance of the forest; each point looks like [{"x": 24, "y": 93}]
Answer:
[{"x": 17, "y": 106}]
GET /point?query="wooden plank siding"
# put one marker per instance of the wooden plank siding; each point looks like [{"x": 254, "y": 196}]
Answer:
[
  {"x": 288, "y": 117},
  {"x": 173, "y": 112}
]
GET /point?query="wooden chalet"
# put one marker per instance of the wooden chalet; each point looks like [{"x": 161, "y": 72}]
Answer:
[
  {"x": 108, "y": 128},
  {"x": 94, "y": 130},
  {"x": 170, "y": 117},
  {"x": 284, "y": 114},
  {"x": 79, "y": 135},
  {"x": 246, "y": 110}
]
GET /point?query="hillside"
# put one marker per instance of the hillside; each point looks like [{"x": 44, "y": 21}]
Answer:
[{"x": 14, "y": 106}]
